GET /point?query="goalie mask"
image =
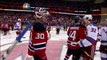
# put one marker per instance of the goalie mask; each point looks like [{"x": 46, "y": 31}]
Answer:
[{"x": 40, "y": 12}]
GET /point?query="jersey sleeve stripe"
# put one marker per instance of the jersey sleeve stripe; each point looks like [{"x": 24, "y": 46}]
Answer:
[
  {"x": 82, "y": 44},
  {"x": 104, "y": 41},
  {"x": 91, "y": 40}
]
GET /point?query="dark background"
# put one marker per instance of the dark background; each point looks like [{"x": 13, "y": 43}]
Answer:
[
  {"x": 84, "y": 5},
  {"x": 55, "y": 3}
]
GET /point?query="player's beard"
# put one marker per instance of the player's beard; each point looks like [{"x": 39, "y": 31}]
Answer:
[{"x": 86, "y": 22}]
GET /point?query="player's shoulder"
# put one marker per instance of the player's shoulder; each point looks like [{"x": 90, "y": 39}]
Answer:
[
  {"x": 82, "y": 26},
  {"x": 92, "y": 26}
]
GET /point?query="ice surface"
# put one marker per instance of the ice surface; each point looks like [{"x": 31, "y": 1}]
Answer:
[{"x": 7, "y": 40}]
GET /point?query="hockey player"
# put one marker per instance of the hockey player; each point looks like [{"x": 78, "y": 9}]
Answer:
[
  {"x": 5, "y": 27},
  {"x": 18, "y": 27},
  {"x": 89, "y": 43},
  {"x": 75, "y": 33},
  {"x": 103, "y": 39},
  {"x": 48, "y": 28},
  {"x": 58, "y": 28},
  {"x": 38, "y": 38}
]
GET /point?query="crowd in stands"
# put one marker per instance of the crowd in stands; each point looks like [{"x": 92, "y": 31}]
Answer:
[
  {"x": 12, "y": 17},
  {"x": 53, "y": 20}
]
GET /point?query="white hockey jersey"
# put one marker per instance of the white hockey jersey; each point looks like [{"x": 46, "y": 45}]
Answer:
[
  {"x": 92, "y": 31},
  {"x": 18, "y": 26},
  {"x": 92, "y": 35},
  {"x": 103, "y": 35}
]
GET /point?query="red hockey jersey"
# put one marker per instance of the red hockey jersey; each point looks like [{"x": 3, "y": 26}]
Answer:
[
  {"x": 75, "y": 34},
  {"x": 38, "y": 41}
]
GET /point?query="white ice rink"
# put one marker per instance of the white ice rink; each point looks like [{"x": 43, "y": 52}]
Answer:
[{"x": 6, "y": 41}]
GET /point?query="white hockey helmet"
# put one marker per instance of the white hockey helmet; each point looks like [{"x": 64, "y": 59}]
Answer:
[
  {"x": 38, "y": 14},
  {"x": 19, "y": 19},
  {"x": 88, "y": 17}
]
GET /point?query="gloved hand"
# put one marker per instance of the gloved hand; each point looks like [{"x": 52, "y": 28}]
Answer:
[
  {"x": 73, "y": 47},
  {"x": 77, "y": 46}
]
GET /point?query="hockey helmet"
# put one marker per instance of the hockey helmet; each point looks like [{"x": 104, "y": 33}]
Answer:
[
  {"x": 88, "y": 17},
  {"x": 77, "y": 18},
  {"x": 19, "y": 19},
  {"x": 40, "y": 12}
]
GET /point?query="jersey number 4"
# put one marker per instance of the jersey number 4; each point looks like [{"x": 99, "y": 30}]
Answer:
[{"x": 73, "y": 35}]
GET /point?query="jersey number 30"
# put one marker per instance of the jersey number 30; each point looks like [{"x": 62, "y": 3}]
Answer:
[
  {"x": 39, "y": 36},
  {"x": 73, "y": 35}
]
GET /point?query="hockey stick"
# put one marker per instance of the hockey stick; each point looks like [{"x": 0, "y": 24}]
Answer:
[
  {"x": 18, "y": 40},
  {"x": 87, "y": 55}
]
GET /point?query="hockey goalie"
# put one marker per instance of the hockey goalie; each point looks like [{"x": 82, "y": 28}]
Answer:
[{"x": 38, "y": 37}]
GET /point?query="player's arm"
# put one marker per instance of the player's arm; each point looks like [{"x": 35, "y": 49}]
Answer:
[
  {"x": 85, "y": 40},
  {"x": 49, "y": 35},
  {"x": 88, "y": 41}
]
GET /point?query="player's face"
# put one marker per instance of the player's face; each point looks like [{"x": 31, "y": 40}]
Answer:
[{"x": 86, "y": 22}]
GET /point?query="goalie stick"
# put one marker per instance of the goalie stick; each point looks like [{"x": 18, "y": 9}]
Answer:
[{"x": 18, "y": 40}]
